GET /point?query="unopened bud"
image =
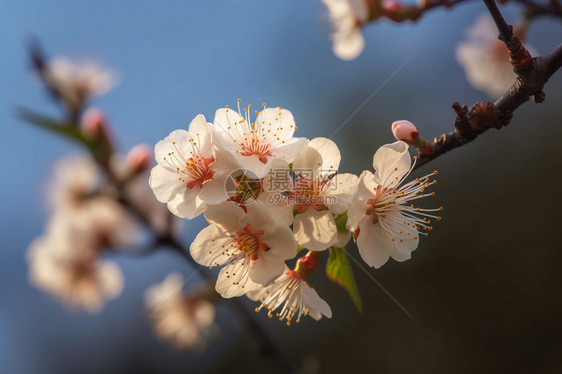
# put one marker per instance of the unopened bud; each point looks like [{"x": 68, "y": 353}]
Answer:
[
  {"x": 405, "y": 131},
  {"x": 139, "y": 158},
  {"x": 392, "y": 10},
  {"x": 95, "y": 125}
]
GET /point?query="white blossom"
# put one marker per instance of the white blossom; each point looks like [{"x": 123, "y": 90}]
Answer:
[
  {"x": 74, "y": 179},
  {"x": 383, "y": 223},
  {"x": 190, "y": 174},
  {"x": 61, "y": 264},
  {"x": 293, "y": 295},
  {"x": 347, "y": 18},
  {"x": 177, "y": 317},
  {"x": 319, "y": 193},
  {"x": 76, "y": 81},
  {"x": 255, "y": 145},
  {"x": 248, "y": 241}
]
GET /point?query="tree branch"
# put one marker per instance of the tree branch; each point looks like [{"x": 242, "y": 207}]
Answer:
[{"x": 470, "y": 123}]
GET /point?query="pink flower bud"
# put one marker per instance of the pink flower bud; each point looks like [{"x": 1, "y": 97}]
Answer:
[
  {"x": 405, "y": 131},
  {"x": 94, "y": 124},
  {"x": 139, "y": 158},
  {"x": 392, "y": 9}
]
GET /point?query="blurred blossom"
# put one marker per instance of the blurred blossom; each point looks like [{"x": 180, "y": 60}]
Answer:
[
  {"x": 347, "y": 18},
  {"x": 485, "y": 58},
  {"x": 74, "y": 179},
  {"x": 69, "y": 268},
  {"x": 78, "y": 81},
  {"x": 138, "y": 190},
  {"x": 105, "y": 224},
  {"x": 139, "y": 158},
  {"x": 184, "y": 320},
  {"x": 380, "y": 217}
]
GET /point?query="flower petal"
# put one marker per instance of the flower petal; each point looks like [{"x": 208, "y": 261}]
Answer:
[
  {"x": 227, "y": 216},
  {"x": 212, "y": 247},
  {"x": 374, "y": 245},
  {"x": 315, "y": 230},
  {"x": 391, "y": 162}
]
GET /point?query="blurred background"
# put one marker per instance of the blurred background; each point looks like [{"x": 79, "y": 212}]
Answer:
[{"x": 484, "y": 287}]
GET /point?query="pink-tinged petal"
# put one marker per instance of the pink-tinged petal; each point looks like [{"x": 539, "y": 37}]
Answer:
[
  {"x": 308, "y": 158},
  {"x": 165, "y": 184},
  {"x": 234, "y": 279},
  {"x": 315, "y": 303},
  {"x": 315, "y": 230},
  {"x": 329, "y": 152},
  {"x": 224, "y": 141},
  {"x": 281, "y": 243},
  {"x": 358, "y": 207},
  {"x": 404, "y": 233},
  {"x": 278, "y": 208},
  {"x": 225, "y": 118},
  {"x": 391, "y": 162},
  {"x": 280, "y": 121},
  {"x": 289, "y": 150},
  {"x": 200, "y": 131},
  {"x": 342, "y": 188},
  {"x": 177, "y": 142},
  {"x": 188, "y": 205},
  {"x": 214, "y": 191},
  {"x": 212, "y": 247},
  {"x": 267, "y": 267},
  {"x": 255, "y": 164},
  {"x": 374, "y": 245},
  {"x": 259, "y": 218},
  {"x": 226, "y": 216}
]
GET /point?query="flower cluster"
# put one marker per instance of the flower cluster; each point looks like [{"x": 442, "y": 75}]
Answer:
[
  {"x": 253, "y": 232},
  {"x": 87, "y": 220}
]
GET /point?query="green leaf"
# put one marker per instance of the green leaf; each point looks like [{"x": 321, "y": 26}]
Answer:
[
  {"x": 300, "y": 248},
  {"x": 339, "y": 271},
  {"x": 341, "y": 222},
  {"x": 65, "y": 129},
  {"x": 99, "y": 148}
]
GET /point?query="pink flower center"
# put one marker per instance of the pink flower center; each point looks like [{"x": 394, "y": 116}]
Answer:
[
  {"x": 249, "y": 242},
  {"x": 198, "y": 170}
]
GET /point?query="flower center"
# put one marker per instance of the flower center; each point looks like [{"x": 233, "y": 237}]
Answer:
[
  {"x": 307, "y": 192},
  {"x": 249, "y": 242},
  {"x": 194, "y": 170}
]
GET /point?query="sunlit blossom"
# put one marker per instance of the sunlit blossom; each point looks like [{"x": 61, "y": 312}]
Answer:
[
  {"x": 382, "y": 217},
  {"x": 248, "y": 242},
  {"x": 255, "y": 145}
]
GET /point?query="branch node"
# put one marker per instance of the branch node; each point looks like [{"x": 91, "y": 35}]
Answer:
[
  {"x": 519, "y": 56},
  {"x": 482, "y": 116},
  {"x": 539, "y": 97}
]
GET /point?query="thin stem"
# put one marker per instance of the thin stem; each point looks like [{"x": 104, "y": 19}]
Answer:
[
  {"x": 505, "y": 30},
  {"x": 468, "y": 126}
]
